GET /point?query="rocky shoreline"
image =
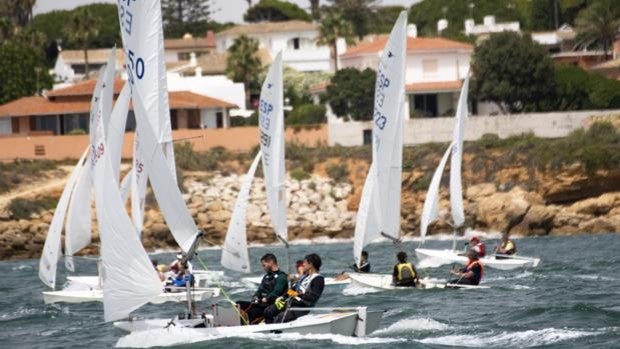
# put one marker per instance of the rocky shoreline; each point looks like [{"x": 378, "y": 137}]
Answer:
[{"x": 319, "y": 207}]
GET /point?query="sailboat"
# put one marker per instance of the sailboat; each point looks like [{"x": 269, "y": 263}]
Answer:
[
  {"x": 86, "y": 289},
  {"x": 434, "y": 258},
  {"x": 224, "y": 319}
]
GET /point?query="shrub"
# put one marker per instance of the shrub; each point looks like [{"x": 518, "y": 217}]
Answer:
[
  {"x": 77, "y": 131},
  {"x": 307, "y": 114},
  {"x": 299, "y": 174},
  {"x": 338, "y": 172},
  {"x": 22, "y": 208}
]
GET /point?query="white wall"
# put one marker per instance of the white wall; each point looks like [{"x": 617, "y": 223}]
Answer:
[
  {"x": 418, "y": 131},
  {"x": 208, "y": 118},
  {"x": 5, "y": 126},
  {"x": 451, "y": 66}
]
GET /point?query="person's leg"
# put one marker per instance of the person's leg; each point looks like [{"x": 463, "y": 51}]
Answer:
[
  {"x": 288, "y": 316},
  {"x": 256, "y": 313},
  {"x": 270, "y": 313}
]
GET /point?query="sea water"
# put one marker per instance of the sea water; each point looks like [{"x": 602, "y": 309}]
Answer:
[{"x": 570, "y": 301}]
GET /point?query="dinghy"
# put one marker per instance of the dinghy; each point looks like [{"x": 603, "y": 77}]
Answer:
[
  {"x": 384, "y": 282},
  {"x": 429, "y": 258},
  {"x": 329, "y": 281}
]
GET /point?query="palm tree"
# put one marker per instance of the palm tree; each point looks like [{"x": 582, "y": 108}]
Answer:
[
  {"x": 314, "y": 9},
  {"x": 243, "y": 64},
  {"x": 599, "y": 23},
  {"x": 333, "y": 25},
  {"x": 81, "y": 29},
  {"x": 18, "y": 11}
]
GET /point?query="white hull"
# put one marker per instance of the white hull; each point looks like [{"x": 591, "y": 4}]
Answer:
[
  {"x": 203, "y": 277},
  {"x": 384, "y": 282},
  {"x": 96, "y": 295},
  {"x": 435, "y": 258},
  {"x": 350, "y": 322},
  {"x": 329, "y": 281}
]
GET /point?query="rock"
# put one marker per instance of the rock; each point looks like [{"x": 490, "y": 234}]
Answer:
[
  {"x": 202, "y": 219},
  {"x": 596, "y": 206},
  {"x": 220, "y": 216},
  {"x": 160, "y": 231},
  {"x": 253, "y": 213},
  {"x": 500, "y": 210},
  {"x": 214, "y": 206},
  {"x": 537, "y": 221},
  {"x": 479, "y": 191},
  {"x": 597, "y": 225}
]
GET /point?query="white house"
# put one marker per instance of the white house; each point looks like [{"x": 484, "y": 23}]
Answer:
[
  {"x": 71, "y": 64},
  {"x": 181, "y": 49},
  {"x": 435, "y": 68},
  {"x": 296, "y": 39}
]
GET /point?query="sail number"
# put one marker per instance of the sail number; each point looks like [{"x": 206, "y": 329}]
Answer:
[
  {"x": 137, "y": 66},
  {"x": 97, "y": 152}
]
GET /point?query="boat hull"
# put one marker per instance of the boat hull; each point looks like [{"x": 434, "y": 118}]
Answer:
[
  {"x": 384, "y": 282},
  {"x": 96, "y": 295},
  {"x": 435, "y": 258},
  {"x": 329, "y": 281}
]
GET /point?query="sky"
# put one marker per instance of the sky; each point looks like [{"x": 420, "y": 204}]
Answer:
[{"x": 224, "y": 10}]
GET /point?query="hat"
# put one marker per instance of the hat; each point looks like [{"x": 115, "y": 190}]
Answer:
[{"x": 475, "y": 238}]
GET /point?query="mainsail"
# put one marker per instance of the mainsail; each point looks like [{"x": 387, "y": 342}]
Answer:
[
  {"x": 271, "y": 128},
  {"x": 235, "y": 250},
  {"x": 456, "y": 189},
  {"x": 431, "y": 203},
  {"x": 379, "y": 210}
]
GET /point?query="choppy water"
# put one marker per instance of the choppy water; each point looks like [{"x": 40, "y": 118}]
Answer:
[{"x": 570, "y": 301}]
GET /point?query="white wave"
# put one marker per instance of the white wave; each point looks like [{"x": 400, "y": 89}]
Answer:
[
  {"x": 356, "y": 290},
  {"x": 413, "y": 324},
  {"x": 594, "y": 277},
  {"x": 521, "y": 287},
  {"x": 521, "y": 275},
  {"x": 22, "y": 267},
  {"x": 178, "y": 336},
  {"x": 522, "y": 339}
]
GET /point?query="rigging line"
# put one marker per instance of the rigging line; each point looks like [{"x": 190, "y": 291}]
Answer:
[{"x": 204, "y": 266}]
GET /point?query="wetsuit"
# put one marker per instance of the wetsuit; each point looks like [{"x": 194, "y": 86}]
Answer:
[
  {"x": 476, "y": 268},
  {"x": 272, "y": 286},
  {"x": 404, "y": 275},
  {"x": 364, "y": 268},
  {"x": 309, "y": 289}
]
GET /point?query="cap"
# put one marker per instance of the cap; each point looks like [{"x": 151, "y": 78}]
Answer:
[{"x": 475, "y": 238}]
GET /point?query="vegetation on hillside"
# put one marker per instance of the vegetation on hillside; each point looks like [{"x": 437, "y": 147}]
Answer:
[
  {"x": 14, "y": 173},
  {"x": 24, "y": 208},
  {"x": 275, "y": 11}
]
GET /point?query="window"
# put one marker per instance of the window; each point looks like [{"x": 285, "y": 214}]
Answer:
[
  {"x": 44, "y": 123},
  {"x": 174, "y": 123},
  {"x": 424, "y": 105},
  {"x": 193, "y": 119},
  {"x": 429, "y": 67},
  {"x": 367, "y": 134},
  {"x": 294, "y": 44},
  {"x": 219, "y": 119}
]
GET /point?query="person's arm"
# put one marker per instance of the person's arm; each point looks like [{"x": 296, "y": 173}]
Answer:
[
  {"x": 279, "y": 288},
  {"x": 312, "y": 294},
  {"x": 365, "y": 268},
  {"x": 395, "y": 274},
  {"x": 417, "y": 276}
]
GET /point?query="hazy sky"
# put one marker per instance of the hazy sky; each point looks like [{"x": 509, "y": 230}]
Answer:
[{"x": 224, "y": 10}]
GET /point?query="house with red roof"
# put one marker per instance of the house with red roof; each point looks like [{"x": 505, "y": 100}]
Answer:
[{"x": 66, "y": 110}]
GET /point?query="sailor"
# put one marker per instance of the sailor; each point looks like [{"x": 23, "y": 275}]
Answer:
[
  {"x": 299, "y": 267},
  {"x": 472, "y": 273},
  {"x": 304, "y": 294},
  {"x": 404, "y": 274},
  {"x": 364, "y": 264},
  {"x": 508, "y": 247},
  {"x": 181, "y": 277},
  {"x": 272, "y": 286},
  {"x": 175, "y": 266},
  {"x": 478, "y": 246}
]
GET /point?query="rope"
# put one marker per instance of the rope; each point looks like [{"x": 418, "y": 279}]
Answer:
[{"x": 217, "y": 283}]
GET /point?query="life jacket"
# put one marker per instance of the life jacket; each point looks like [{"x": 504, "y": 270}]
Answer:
[
  {"x": 471, "y": 266},
  {"x": 509, "y": 247},
  {"x": 405, "y": 272},
  {"x": 304, "y": 282},
  {"x": 269, "y": 282}
]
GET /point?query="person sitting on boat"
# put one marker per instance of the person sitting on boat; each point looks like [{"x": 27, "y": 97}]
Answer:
[
  {"x": 479, "y": 246},
  {"x": 176, "y": 265},
  {"x": 472, "y": 273},
  {"x": 404, "y": 274},
  {"x": 273, "y": 285},
  {"x": 364, "y": 266},
  {"x": 304, "y": 294},
  {"x": 508, "y": 247},
  {"x": 299, "y": 266},
  {"x": 181, "y": 277}
]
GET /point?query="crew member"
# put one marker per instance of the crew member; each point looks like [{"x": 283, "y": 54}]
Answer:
[
  {"x": 181, "y": 277},
  {"x": 272, "y": 286},
  {"x": 364, "y": 264},
  {"x": 471, "y": 274},
  {"x": 508, "y": 247},
  {"x": 478, "y": 246},
  {"x": 304, "y": 294},
  {"x": 404, "y": 274}
]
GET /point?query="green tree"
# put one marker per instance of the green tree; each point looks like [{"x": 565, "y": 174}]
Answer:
[
  {"x": 22, "y": 72},
  {"x": 572, "y": 89},
  {"x": 188, "y": 16},
  {"x": 333, "y": 26},
  {"x": 358, "y": 12},
  {"x": 275, "y": 11},
  {"x": 513, "y": 72},
  {"x": 599, "y": 23},
  {"x": 315, "y": 9},
  {"x": 307, "y": 114},
  {"x": 384, "y": 18},
  {"x": 296, "y": 85},
  {"x": 244, "y": 65},
  {"x": 82, "y": 29},
  {"x": 351, "y": 93},
  {"x": 543, "y": 14},
  {"x": 17, "y": 11}
]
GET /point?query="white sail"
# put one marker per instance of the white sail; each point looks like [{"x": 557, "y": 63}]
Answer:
[
  {"x": 387, "y": 122},
  {"x": 142, "y": 34},
  {"x": 391, "y": 222},
  {"x": 129, "y": 279},
  {"x": 367, "y": 220},
  {"x": 166, "y": 191},
  {"x": 116, "y": 128},
  {"x": 125, "y": 186},
  {"x": 235, "y": 250},
  {"x": 51, "y": 248},
  {"x": 431, "y": 203},
  {"x": 271, "y": 127},
  {"x": 456, "y": 189}
]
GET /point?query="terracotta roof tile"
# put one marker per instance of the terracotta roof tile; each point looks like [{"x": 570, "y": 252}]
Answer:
[
  {"x": 413, "y": 45},
  {"x": 42, "y": 106},
  {"x": 95, "y": 56},
  {"x": 434, "y": 86},
  {"x": 268, "y": 27},
  {"x": 84, "y": 88}
]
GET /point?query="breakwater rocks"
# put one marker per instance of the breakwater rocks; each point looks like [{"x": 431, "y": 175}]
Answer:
[{"x": 320, "y": 207}]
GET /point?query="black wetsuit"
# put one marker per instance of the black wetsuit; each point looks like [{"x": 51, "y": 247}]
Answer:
[
  {"x": 272, "y": 286},
  {"x": 476, "y": 269},
  {"x": 365, "y": 268},
  {"x": 309, "y": 295}
]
